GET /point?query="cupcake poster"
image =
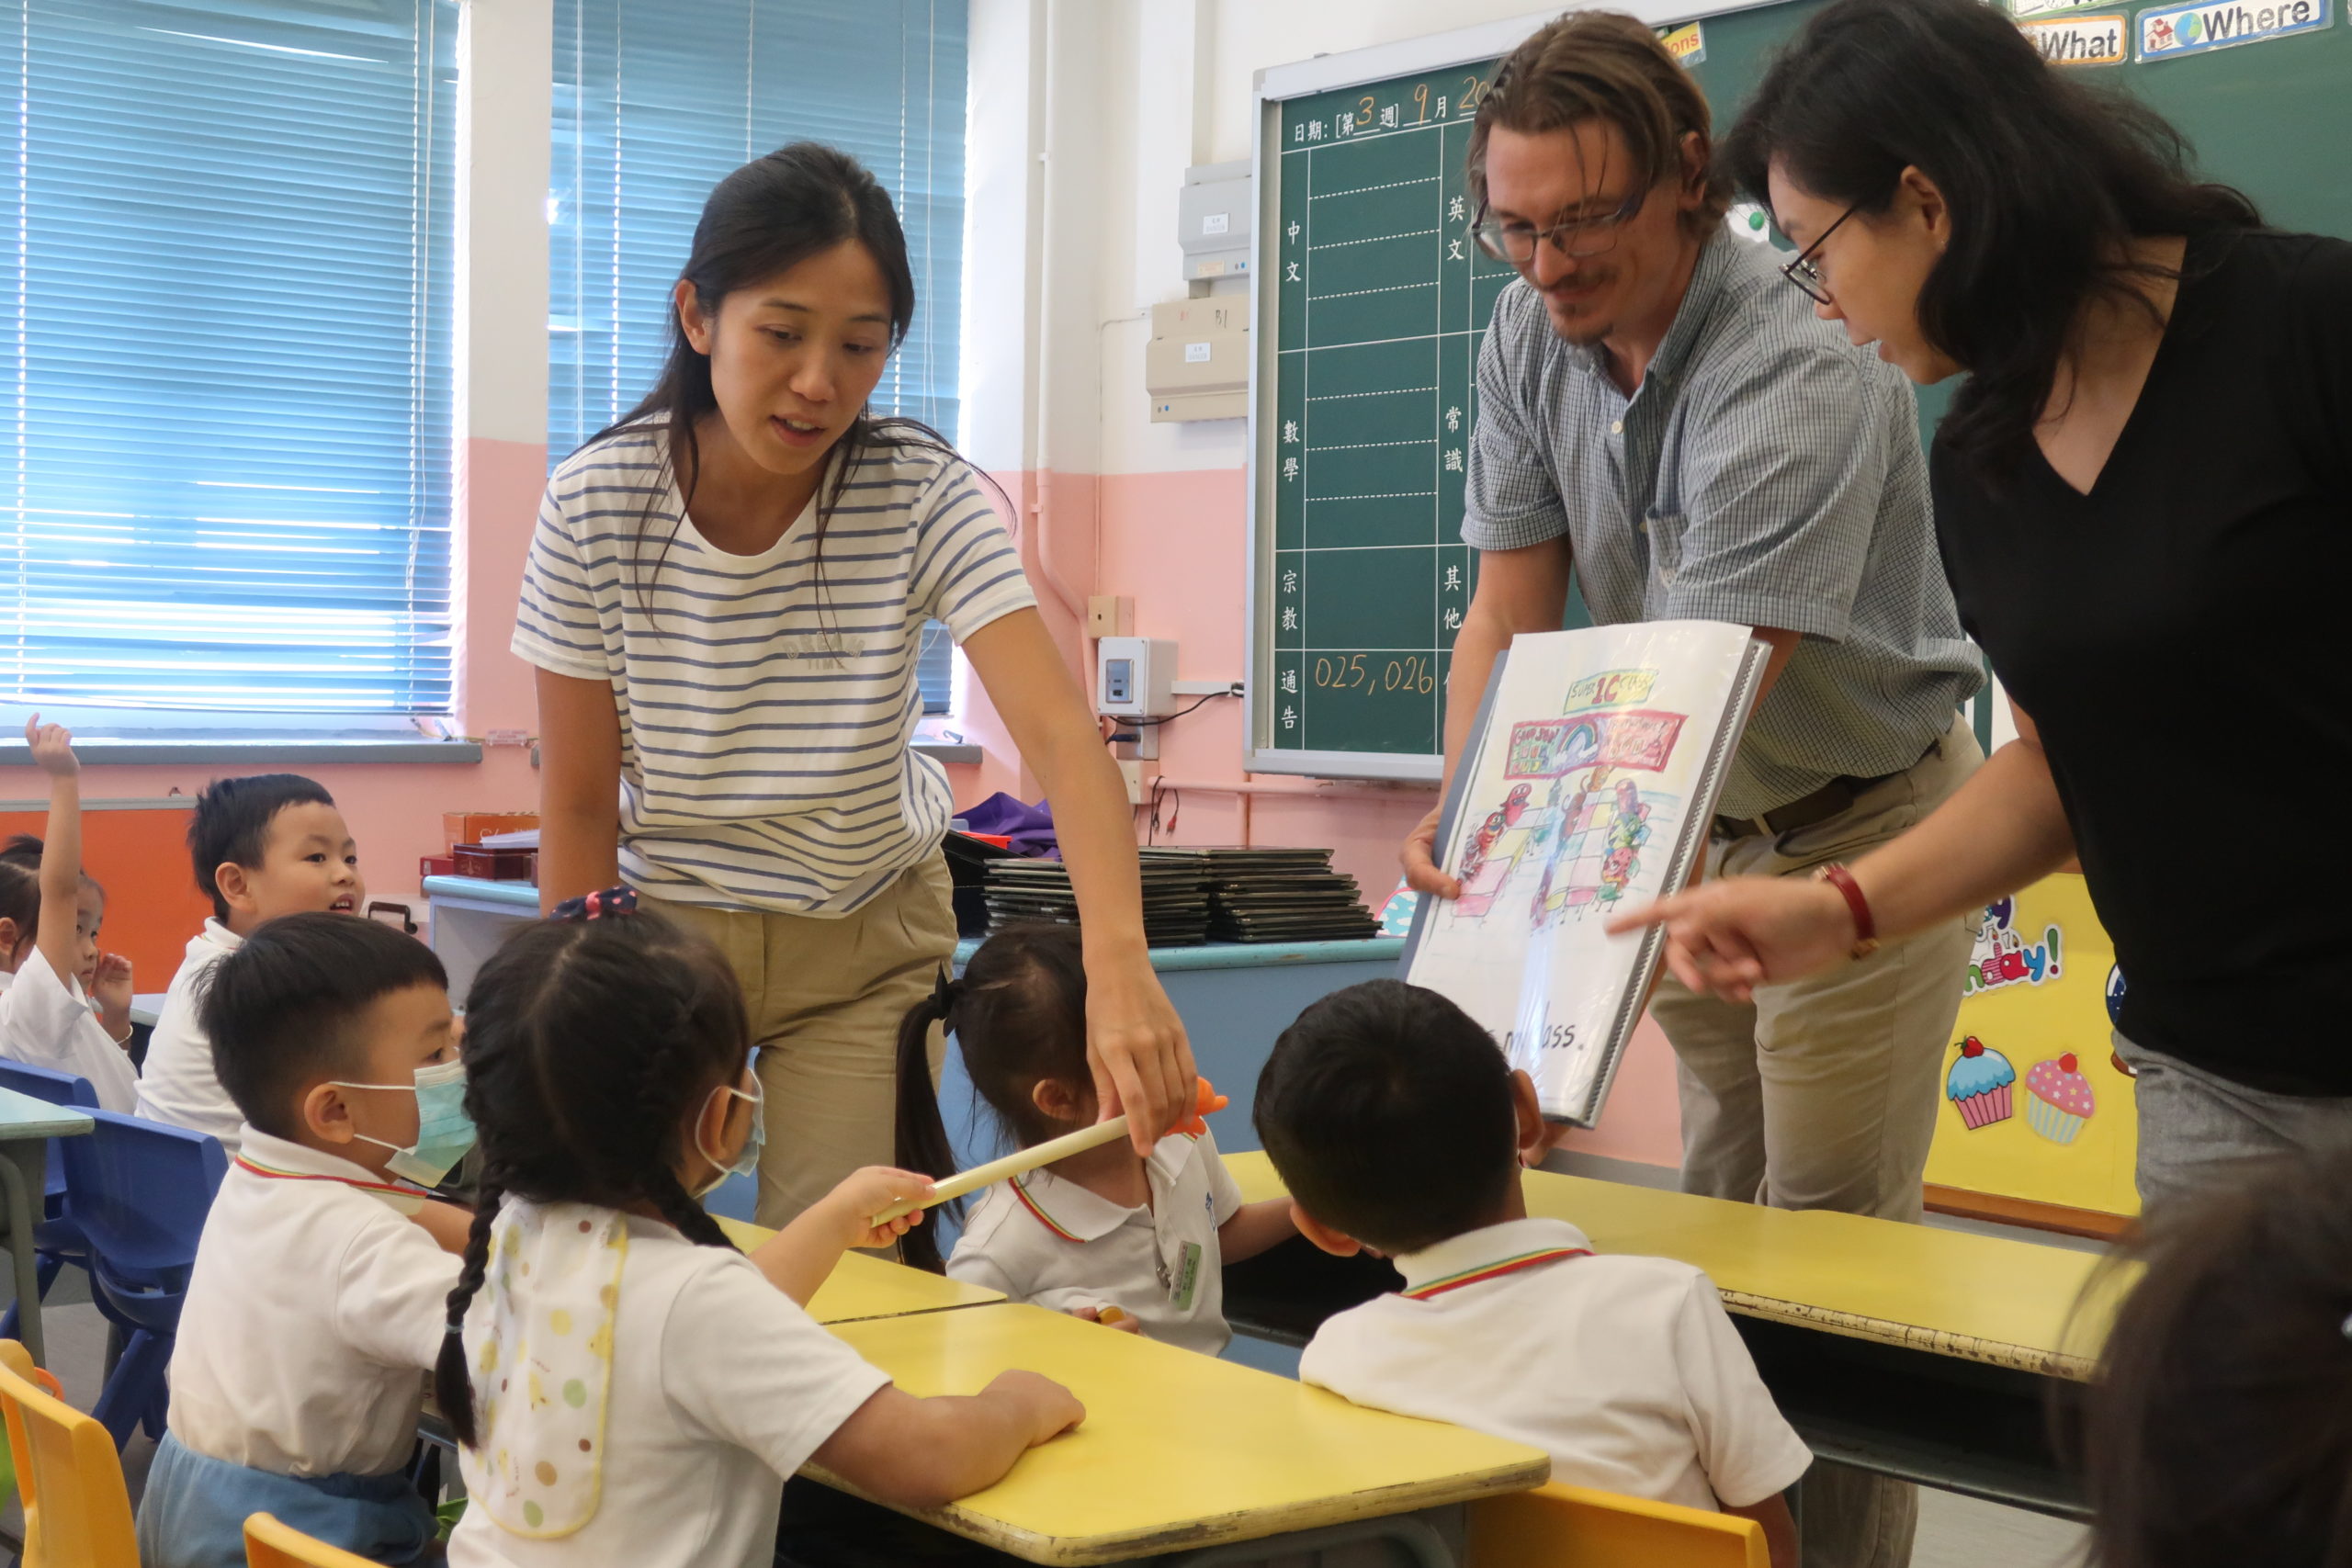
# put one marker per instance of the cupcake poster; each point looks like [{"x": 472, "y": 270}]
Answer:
[{"x": 2002, "y": 957}]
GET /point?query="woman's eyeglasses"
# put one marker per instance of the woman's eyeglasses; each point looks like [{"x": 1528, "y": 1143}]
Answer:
[
  {"x": 1516, "y": 242},
  {"x": 1803, "y": 271}
]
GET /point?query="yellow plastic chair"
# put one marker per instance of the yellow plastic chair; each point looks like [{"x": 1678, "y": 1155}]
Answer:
[
  {"x": 1576, "y": 1527},
  {"x": 270, "y": 1544},
  {"x": 77, "y": 1514}
]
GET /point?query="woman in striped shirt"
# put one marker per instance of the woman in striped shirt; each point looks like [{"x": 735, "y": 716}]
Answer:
[{"x": 724, "y": 600}]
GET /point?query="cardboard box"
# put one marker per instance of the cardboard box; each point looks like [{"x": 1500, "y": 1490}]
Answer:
[{"x": 468, "y": 827}]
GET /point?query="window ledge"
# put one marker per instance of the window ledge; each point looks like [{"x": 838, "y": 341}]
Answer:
[
  {"x": 946, "y": 751},
  {"x": 142, "y": 750}
]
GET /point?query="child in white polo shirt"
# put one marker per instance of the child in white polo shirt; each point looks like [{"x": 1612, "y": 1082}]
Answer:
[
  {"x": 68, "y": 1006},
  {"x": 316, "y": 1304},
  {"x": 1397, "y": 1127},
  {"x": 268, "y": 845},
  {"x": 1106, "y": 1228}
]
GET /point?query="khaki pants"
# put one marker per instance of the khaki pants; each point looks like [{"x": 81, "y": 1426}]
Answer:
[
  {"x": 1822, "y": 1094},
  {"x": 826, "y": 997}
]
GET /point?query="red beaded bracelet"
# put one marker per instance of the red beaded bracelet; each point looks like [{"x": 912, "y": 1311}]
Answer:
[{"x": 1865, "y": 928}]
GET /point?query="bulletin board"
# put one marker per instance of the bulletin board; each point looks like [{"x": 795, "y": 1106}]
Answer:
[
  {"x": 138, "y": 851},
  {"x": 2038, "y": 1121}
]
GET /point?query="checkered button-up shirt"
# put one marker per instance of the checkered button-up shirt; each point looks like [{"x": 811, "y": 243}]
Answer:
[{"x": 1765, "y": 472}]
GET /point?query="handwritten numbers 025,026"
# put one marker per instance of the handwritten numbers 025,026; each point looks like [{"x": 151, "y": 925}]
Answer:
[{"x": 1371, "y": 674}]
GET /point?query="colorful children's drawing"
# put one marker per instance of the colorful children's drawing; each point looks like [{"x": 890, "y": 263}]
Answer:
[
  {"x": 1578, "y": 847},
  {"x": 1979, "y": 1084},
  {"x": 2002, "y": 957}
]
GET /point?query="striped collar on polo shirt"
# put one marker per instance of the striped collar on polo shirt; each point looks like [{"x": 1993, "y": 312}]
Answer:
[
  {"x": 1476, "y": 1257},
  {"x": 1078, "y": 1214}
]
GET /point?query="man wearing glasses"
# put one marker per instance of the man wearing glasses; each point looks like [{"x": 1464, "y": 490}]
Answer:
[{"x": 1660, "y": 408}]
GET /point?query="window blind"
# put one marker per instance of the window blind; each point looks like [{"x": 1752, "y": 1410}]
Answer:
[
  {"x": 225, "y": 298},
  {"x": 651, "y": 112}
]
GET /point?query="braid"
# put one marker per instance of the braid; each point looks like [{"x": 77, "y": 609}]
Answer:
[
  {"x": 452, "y": 1386},
  {"x": 691, "y": 1218}
]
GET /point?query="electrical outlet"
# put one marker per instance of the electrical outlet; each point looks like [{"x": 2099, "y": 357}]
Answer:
[{"x": 1132, "y": 772}]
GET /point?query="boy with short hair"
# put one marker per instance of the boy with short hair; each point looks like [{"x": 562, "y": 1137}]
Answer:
[
  {"x": 1398, "y": 1127},
  {"x": 316, "y": 1303},
  {"x": 268, "y": 845}
]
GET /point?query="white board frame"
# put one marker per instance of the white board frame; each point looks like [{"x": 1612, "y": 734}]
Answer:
[{"x": 1269, "y": 89}]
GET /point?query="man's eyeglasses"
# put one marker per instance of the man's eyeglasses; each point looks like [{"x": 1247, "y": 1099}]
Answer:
[
  {"x": 1803, "y": 271},
  {"x": 1516, "y": 242}
]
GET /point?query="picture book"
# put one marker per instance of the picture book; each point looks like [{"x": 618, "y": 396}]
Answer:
[{"x": 1589, "y": 784}]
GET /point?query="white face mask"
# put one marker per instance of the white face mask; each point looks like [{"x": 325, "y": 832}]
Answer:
[
  {"x": 444, "y": 1131},
  {"x": 747, "y": 1163}
]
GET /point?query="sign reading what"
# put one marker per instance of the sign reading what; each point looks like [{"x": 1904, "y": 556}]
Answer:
[{"x": 2082, "y": 40}]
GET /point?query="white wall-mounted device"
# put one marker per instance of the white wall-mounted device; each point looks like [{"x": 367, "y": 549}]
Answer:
[{"x": 1135, "y": 677}]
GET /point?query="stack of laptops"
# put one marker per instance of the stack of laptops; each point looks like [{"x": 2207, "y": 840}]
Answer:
[
  {"x": 1175, "y": 904},
  {"x": 1278, "y": 895}
]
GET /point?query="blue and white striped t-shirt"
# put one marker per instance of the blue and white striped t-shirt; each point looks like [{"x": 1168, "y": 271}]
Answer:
[{"x": 765, "y": 721}]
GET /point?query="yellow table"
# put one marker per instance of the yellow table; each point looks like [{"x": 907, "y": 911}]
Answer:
[
  {"x": 1179, "y": 1452},
  {"x": 865, "y": 1286},
  {"x": 2006, "y": 1303}
]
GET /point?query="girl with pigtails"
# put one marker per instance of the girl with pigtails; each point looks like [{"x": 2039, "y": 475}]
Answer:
[{"x": 625, "y": 1385}]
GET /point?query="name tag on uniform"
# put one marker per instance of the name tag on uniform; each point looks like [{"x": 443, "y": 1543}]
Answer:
[{"x": 1187, "y": 1277}]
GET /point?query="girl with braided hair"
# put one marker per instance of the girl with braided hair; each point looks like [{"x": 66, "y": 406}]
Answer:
[{"x": 601, "y": 1309}]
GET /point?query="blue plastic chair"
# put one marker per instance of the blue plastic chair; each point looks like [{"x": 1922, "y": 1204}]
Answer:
[
  {"x": 140, "y": 1191},
  {"x": 57, "y": 1240}
]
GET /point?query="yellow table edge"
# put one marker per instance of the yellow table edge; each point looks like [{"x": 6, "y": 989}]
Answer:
[
  {"x": 857, "y": 1270},
  {"x": 1124, "y": 1546}
]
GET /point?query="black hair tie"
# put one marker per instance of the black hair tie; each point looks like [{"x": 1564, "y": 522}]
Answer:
[
  {"x": 597, "y": 906},
  {"x": 946, "y": 992}
]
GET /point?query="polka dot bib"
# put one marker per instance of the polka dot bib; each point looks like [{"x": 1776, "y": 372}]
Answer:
[{"x": 544, "y": 1368}]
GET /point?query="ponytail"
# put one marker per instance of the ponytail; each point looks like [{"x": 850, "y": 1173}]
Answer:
[
  {"x": 452, "y": 1386},
  {"x": 922, "y": 1144}
]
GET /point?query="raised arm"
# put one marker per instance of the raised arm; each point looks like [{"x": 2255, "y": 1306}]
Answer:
[
  {"x": 579, "y": 788},
  {"x": 61, "y": 852},
  {"x": 1519, "y": 591},
  {"x": 1135, "y": 1042}
]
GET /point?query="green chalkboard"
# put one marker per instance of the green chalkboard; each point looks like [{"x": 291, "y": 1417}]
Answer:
[{"x": 1372, "y": 300}]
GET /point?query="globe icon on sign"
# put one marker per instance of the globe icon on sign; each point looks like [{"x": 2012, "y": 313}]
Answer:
[{"x": 2115, "y": 996}]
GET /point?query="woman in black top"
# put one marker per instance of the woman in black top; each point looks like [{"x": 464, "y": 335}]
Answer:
[{"x": 2143, "y": 498}]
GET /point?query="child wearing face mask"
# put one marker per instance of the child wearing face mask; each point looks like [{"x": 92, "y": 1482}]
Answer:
[
  {"x": 68, "y": 1005},
  {"x": 316, "y": 1301},
  {"x": 626, "y": 1386}
]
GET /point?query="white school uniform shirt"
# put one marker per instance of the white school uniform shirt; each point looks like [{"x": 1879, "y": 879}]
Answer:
[
  {"x": 1049, "y": 1241},
  {"x": 179, "y": 1084},
  {"x": 314, "y": 1312},
  {"x": 1625, "y": 1369},
  {"x": 48, "y": 1023},
  {"x": 720, "y": 1386}
]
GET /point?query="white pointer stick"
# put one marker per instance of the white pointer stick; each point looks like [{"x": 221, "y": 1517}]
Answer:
[{"x": 1022, "y": 1161}]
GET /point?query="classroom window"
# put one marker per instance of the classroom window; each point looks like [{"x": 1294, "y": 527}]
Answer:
[
  {"x": 225, "y": 300},
  {"x": 650, "y": 113}
]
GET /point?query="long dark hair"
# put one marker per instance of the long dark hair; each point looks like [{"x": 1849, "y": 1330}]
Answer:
[
  {"x": 2049, "y": 181},
  {"x": 2219, "y": 1427},
  {"x": 587, "y": 1042},
  {"x": 1018, "y": 1017},
  {"x": 766, "y": 217},
  {"x": 20, "y": 888}
]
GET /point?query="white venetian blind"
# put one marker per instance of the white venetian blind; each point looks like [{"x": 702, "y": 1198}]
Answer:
[{"x": 225, "y": 287}]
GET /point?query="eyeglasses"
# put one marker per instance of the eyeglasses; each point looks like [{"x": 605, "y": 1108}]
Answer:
[
  {"x": 1516, "y": 242},
  {"x": 1800, "y": 269}
]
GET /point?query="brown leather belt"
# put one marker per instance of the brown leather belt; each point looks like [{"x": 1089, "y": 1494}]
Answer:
[{"x": 1836, "y": 796}]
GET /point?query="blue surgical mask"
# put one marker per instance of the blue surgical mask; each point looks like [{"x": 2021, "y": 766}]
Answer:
[
  {"x": 444, "y": 1131},
  {"x": 748, "y": 1162}
]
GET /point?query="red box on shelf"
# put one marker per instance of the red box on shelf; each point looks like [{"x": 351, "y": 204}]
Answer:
[
  {"x": 460, "y": 827},
  {"x": 436, "y": 865},
  {"x": 511, "y": 865}
]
